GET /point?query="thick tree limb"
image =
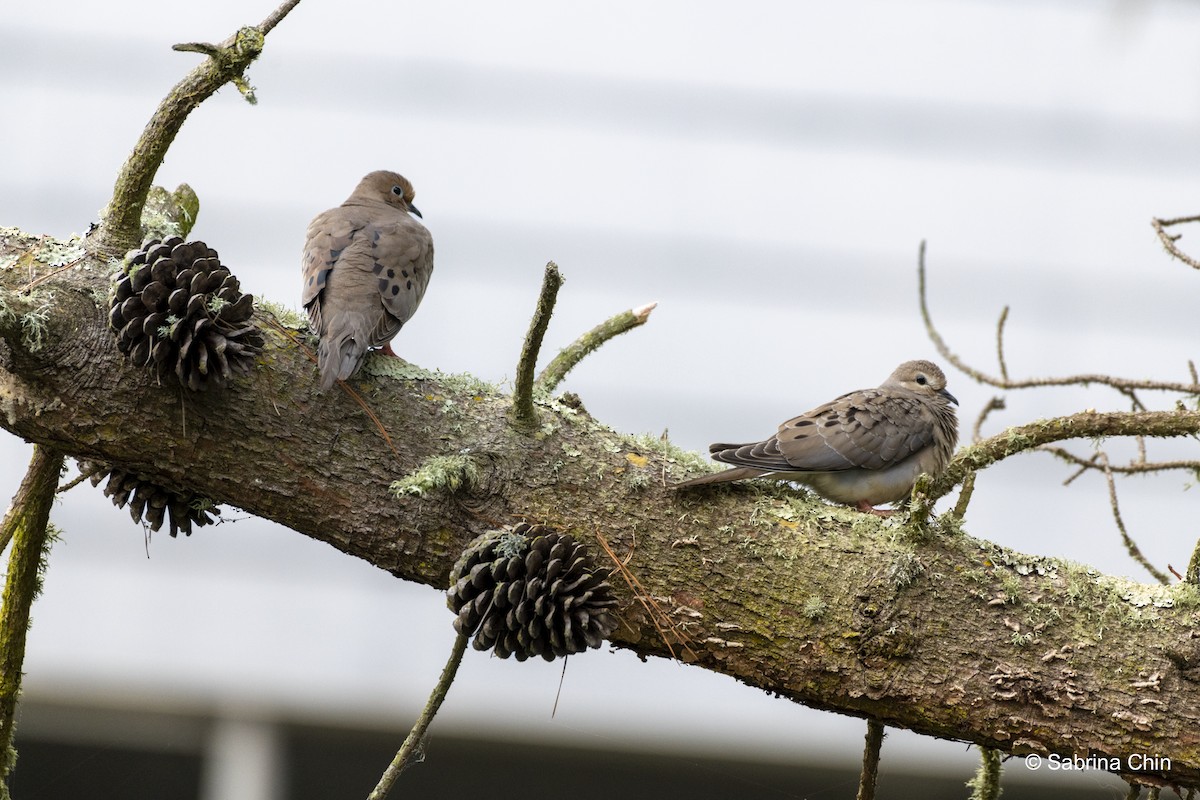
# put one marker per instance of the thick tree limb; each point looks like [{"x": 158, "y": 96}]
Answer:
[{"x": 942, "y": 633}]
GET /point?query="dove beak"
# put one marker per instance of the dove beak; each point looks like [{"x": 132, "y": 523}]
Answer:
[
  {"x": 414, "y": 210},
  {"x": 949, "y": 396}
]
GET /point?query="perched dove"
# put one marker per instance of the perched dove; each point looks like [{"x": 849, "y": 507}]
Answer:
[
  {"x": 862, "y": 449},
  {"x": 366, "y": 266}
]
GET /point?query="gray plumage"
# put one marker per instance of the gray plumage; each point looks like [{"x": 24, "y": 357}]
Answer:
[
  {"x": 366, "y": 265},
  {"x": 862, "y": 449}
]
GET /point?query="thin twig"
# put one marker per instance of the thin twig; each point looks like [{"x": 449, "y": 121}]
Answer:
[
  {"x": 986, "y": 783},
  {"x": 1084, "y": 425},
  {"x": 1085, "y": 464},
  {"x": 573, "y": 353},
  {"x": 870, "y": 767},
  {"x": 522, "y": 406},
  {"x": 964, "y": 497},
  {"x": 1135, "y": 791},
  {"x": 1000, "y": 343},
  {"x": 995, "y": 404},
  {"x": 1130, "y": 545},
  {"x": 276, "y": 16},
  {"x": 1004, "y": 383},
  {"x": 413, "y": 744},
  {"x": 1168, "y": 240},
  {"x": 84, "y": 474}
]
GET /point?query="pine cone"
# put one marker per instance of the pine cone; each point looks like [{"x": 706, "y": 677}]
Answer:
[
  {"x": 149, "y": 502},
  {"x": 530, "y": 591},
  {"x": 178, "y": 309}
]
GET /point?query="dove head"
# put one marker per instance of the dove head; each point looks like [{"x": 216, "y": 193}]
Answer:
[
  {"x": 387, "y": 187},
  {"x": 920, "y": 377}
]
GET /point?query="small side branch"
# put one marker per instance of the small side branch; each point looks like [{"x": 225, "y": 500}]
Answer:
[
  {"x": 522, "y": 407},
  {"x": 121, "y": 223},
  {"x": 26, "y": 525},
  {"x": 1124, "y": 385},
  {"x": 870, "y": 768},
  {"x": 1168, "y": 240},
  {"x": 1134, "y": 551},
  {"x": 575, "y": 352},
  {"x": 416, "y": 737},
  {"x": 1086, "y": 425}
]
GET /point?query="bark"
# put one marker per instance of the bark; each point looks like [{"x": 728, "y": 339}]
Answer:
[{"x": 917, "y": 626}]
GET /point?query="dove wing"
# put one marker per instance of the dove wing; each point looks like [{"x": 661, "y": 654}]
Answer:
[{"x": 869, "y": 429}]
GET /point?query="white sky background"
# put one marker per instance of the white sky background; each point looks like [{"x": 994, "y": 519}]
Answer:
[{"x": 765, "y": 174}]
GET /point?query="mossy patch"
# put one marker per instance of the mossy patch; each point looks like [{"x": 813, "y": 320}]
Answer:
[{"x": 438, "y": 474}]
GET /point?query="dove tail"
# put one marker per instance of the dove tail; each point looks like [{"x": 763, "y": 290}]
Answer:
[
  {"x": 338, "y": 358},
  {"x": 736, "y": 474}
]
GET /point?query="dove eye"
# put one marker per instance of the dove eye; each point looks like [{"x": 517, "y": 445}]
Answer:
[
  {"x": 396, "y": 190},
  {"x": 922, "y": 380}
]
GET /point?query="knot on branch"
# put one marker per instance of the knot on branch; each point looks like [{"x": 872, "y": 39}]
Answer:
[{"x": 531, "y": 591}]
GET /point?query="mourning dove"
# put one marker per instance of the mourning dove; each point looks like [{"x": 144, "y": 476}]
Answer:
[
  {"x": 862, "y": 449},
  {"x": 366, "y": 265}
]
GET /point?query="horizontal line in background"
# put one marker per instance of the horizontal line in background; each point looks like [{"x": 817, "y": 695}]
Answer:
[{"x": 454, "y": 89}]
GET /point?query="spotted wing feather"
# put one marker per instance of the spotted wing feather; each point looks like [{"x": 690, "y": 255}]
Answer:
[{"x": 870, "y": 429}]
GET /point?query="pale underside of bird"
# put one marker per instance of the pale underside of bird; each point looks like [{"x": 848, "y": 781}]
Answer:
[
  {"x": 366, "y": 265},
  {"x": 863, "y": 449}
]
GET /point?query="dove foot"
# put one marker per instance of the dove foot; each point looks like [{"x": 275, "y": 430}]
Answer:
[
  {"x": 388, "y": 351},
  {"x": 867, "y": 508}
]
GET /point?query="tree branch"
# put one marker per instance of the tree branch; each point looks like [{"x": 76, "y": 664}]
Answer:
[
  {"x": 588, "y": 343},
  {"x": 1085, "y": 425},
  {"x": 816, "y": 603},
  {"x": 1120, "y": 384},
  {"x": 120, "y": 225},
  {"x": 522, "y": 407},
  {"x": 26, "y": 525},
  {"x": 415, "y": 741},
  {"x": 1169, "y": 240},
  {"x": 870, "y": 767}
]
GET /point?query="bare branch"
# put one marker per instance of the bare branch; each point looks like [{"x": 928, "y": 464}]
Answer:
[
  {"x": 415, "y": 740},
  {"x": 1086, "y": 425},
  {"x": 226, "y": 63},
  {"x": 586, "y": 344},
  {"x": 26, "y": 525},
  {"x": 995, "y": 404},
  {"x": 1135, "y": 552},
  {"x": 522, "y": 405},
  {"x": 276, "y": 16},
  {"x": 1121, "y": 384},
  {"x": 1000, "y": 343},
  {"x": 870, "y": 767},
  {"x": 1126, "y": 469},
  {"x": 1169, "y": 240}
]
